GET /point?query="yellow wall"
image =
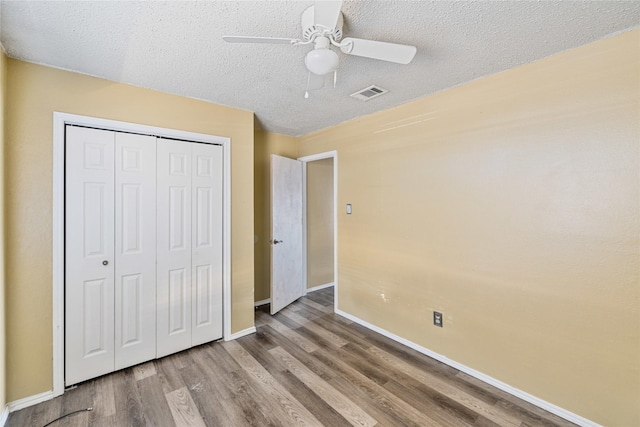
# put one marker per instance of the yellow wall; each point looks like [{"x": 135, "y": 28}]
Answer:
[
  {"x": 266, "y": 144},
  {"x": 319, "y": 222},
  {"x": 3, "y": 86},
  {"x": 34, "y": 93},
  {"x": 510, "y": 204}
]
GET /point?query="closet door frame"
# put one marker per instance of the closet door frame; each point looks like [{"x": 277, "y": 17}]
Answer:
[{"x": 60, "y": 120}]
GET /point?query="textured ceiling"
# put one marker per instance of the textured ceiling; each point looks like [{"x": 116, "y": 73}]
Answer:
[{"x": 177, "y": 47}]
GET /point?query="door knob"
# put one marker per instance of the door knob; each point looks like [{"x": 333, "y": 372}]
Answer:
[
  {"x": 275, "y": 242},
  {"x": 105, "y": 262}
]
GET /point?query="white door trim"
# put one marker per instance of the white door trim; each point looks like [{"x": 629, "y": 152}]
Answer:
[
  {"x": 305, "y": 160},
  {"x": 59, "y": 122}
]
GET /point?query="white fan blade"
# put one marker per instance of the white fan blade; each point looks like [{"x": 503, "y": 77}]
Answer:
[
  {"x": 271, "y": 40},
  {"x": 326, "y": 13},
  {"x": 392, "y": 52},
  {"x": 314, "y": 81}
]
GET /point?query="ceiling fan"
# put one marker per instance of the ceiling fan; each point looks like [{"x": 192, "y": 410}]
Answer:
[{"x": 322, "y": 26}]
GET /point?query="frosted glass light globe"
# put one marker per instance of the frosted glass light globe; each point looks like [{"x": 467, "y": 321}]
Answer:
[{"x": 321, "y": 61}]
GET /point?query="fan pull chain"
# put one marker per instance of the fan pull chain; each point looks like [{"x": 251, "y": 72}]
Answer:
[{"x": 306, "y": 92}]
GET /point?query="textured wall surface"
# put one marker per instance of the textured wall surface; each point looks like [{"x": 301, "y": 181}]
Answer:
[
  {"x": 33, "y": 94},
  {"x": 511, "y": 205},
  {"x": 266, "y": 144},
  {"x": 319, "y": 222}
]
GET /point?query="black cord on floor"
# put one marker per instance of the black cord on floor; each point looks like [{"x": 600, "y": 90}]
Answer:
[{"x": 66, "y": 415}]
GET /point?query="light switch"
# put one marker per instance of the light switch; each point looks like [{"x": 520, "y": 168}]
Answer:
[
  {"x": 437, "y": 319},
  {"x": 348, "y": 208}
]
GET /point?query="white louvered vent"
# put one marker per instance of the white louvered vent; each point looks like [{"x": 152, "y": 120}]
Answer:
[{"x": 369, "y": 92}]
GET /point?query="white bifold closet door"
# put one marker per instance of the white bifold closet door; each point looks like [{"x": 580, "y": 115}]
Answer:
[
  {"x": 189, "y": 244},
  {"x": 135, "y": 260},
  {"x": 143, "y": 249},
  {"x": 110, "y": 252}
]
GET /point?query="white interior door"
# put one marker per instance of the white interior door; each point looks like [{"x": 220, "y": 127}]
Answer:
[
  {"x": 89, "y": 254},
  {"x": 287, "y": 281},
  {"x": 174, "y": 246},
  {"x": 135, "y": 251},
  {"x": 206, "y": 243}
]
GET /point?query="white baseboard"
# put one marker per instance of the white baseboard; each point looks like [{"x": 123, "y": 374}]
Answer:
[
  {"x": 550, "y": 407},
  {"x": 317, "y": 288},
  {"x": 248, "y": 331},
  {"x": 25, "y": 402},
  {"x": 262, "y": 302},
  {"x": 4, "y": 416}
]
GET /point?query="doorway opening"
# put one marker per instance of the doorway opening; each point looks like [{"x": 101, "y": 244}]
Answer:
[
  {"x": 303, "y": 239},
  {"x": 320, "y": 220}
]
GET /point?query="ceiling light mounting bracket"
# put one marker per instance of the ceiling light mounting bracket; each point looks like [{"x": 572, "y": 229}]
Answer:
[
  {"x": 310, "y": 30},
  {"x": 346, "y": 46}
]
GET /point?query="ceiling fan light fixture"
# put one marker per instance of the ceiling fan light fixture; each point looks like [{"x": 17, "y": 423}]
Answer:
[
  {"x": 321, "y": 61},
  {"x": 322, "y": 25}
]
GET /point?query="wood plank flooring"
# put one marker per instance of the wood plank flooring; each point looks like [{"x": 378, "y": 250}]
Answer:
[{"x": 306, "y": 366}]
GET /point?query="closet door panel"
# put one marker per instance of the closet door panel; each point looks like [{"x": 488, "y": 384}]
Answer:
[
  {"x": 173, "y": 246},
  {"x": 206, "y": 243},
  {"x": 135, "y": 240},
  {"x": 89, "y": 254}
]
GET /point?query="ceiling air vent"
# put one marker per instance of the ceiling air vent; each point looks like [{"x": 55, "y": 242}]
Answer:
[{"x": 369, "y": 92}]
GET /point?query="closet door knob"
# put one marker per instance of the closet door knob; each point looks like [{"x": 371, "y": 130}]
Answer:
[{"x": 105, "y": 262}]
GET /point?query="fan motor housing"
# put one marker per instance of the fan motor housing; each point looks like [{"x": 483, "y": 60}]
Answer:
[{"x": 310, "y": 31}]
